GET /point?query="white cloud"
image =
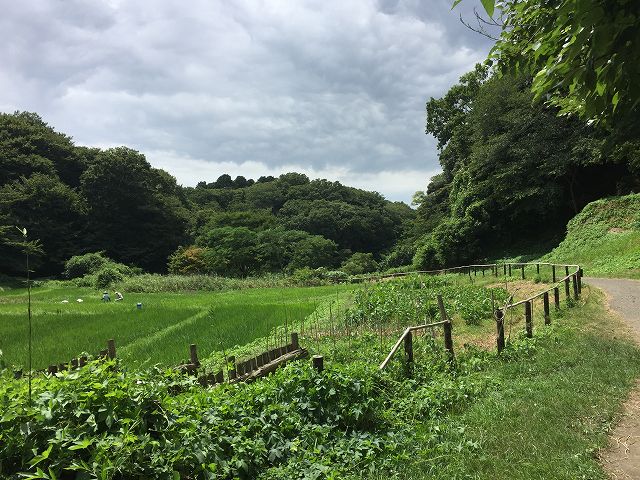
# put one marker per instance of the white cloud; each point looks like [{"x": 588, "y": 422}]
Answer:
[{"x": 322, "y": 86}]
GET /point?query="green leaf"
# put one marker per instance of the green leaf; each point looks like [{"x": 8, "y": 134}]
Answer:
[
  {"x": 489, "y": 6},
  {"x": 455, "y": 4},
  {"x": 81, "y": 444}
]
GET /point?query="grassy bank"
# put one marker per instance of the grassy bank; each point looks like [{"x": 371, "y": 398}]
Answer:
[{"x": 604, "y": 238}]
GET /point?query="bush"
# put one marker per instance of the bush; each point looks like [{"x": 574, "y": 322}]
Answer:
[
  {"x": 87, "y": 264},
  {"x": 188, "y": 261},
  {"x": 107, "y": 276},
  {"x": 360, "y": 263}
]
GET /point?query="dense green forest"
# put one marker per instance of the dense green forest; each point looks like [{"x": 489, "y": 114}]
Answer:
[
  {"x": 75, "y": 200},
  {"x": 513, "y": 172}
]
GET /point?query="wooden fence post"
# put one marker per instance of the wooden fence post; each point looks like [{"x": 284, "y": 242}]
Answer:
[
  {"x": 232, "y": 372},
  {"x": 575, "y": 286},
  {"x": 566, "y": 270},
  {"x": 556, "y": 297},
  {"x": 318, "y": 362},
  {"x": 547, "y": 316},
  {"x": 475, "y": 272},
  {"x": 504, "y": 269},
  {"x": 500, "y": 327},
  {"x": 538, "y": 268},
  {"x": 553, "y": 273},
  {"x": 193, "y": 354},
  {"x": 111, "y": 348},
  {"x": 448, "y": 336},
  {"x": 220, "y": 377},
  {"x": 528, "y": 319},
  {"x": 294, "y": 341},
  {"x": 579, "y": 280},
  {"x": 523, "y": 272},
  {"x": 509, "y": 269},
  {"x": 483, "y": 271},
  {"x": 408, "y": 350},
  {"x": 448, "y": 339},
  {"x": 566, "y": 288}
]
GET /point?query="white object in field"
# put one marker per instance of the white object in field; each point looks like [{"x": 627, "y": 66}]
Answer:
[
  {"x": 79, "y": 300},
  {"x": 139, "y": 306},
  {"x": 64, "y": 301}
]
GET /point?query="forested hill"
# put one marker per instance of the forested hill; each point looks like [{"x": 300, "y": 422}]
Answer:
[
  {"x": 513, "y": 172},
  {"x": 74, "y": 200}
]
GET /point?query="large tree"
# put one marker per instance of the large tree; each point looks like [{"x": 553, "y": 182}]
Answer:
[
  {"x": 135, "y": 213},
  {"x": 584, "y": 55}
]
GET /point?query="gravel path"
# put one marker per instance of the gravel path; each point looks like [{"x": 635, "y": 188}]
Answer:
[
  {"x": 621, "y": 460},
  {"x": 623, "y": 296}
]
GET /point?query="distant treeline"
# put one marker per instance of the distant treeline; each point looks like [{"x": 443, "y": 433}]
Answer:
[
  {"x": 513, "y": 172},
  {"x": 74, "y": 200}
]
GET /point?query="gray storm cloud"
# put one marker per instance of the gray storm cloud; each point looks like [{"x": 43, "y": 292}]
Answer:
[{"x": 332, "y": 88}]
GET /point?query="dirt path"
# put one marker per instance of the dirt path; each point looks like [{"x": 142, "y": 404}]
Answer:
[{"x": 621, "y": 459}]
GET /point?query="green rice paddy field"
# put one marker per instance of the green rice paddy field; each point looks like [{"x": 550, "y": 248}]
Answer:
[{"x": 160, "y": 332}]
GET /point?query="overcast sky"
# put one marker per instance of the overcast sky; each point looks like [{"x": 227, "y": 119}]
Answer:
[{"x": 334, "y": 89}]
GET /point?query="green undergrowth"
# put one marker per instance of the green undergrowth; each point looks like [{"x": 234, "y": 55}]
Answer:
[
  {"x": 541, "y": 409},
  {"x": 554, "y": 399},
  {"x": 604, "y": 238}
]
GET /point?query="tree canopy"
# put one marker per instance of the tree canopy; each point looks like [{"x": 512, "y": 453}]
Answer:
[
  {"x": 584, "y": 56},
  {"x": 77, "y": 200}
]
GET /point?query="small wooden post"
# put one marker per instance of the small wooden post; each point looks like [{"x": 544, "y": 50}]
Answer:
[
  {"x": 448, "y": 339},
  {"x": 475, "y": 271},
  {"x": 566, "y": 270},
  {"x": 553, "y": 273},
  {"x": 504, "y": 269},
  {"x": 538, "y": 268},
  {"x": 522, "y": 272},
  {"x": 483, "y": 271},
  {"x": 294, "y": 341},
  {"x": 575, "y": 286},
  {"x": 509, "y": 269},
  {"x": 547, "y": 316},
  {"x": 566, "y": 287},
  {"x": 408, "y": 348},
  {"x": 193, "y": 353},
  {"x": 318, "y": 362},
  {"x": 500, "y": 327},
  {"x": 111, "y": 347},
  {"x": 556, "y": 297},
  {"x": 469, "y": 271},
  {"x": 528, "y": 319},
  {"x": 579, "y": 280}
]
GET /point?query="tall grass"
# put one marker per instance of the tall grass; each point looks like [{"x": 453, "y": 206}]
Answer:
[{"x": 160, "y": 332}]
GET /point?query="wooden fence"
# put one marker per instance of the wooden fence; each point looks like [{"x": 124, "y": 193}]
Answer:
[
  {"x": 573, "y": 276},
  {"x": 244, "y": 371}
]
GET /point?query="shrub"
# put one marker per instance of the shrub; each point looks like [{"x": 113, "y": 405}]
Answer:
[
  {"x": 81, "y": 265},
  {"x": 360, "y": 263},
  {"x": 107, "y": 276},
  {"x": 188, "y": 261}
]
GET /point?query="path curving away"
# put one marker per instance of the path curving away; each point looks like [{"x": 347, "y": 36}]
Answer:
[{"x": 621, "y": 459}]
